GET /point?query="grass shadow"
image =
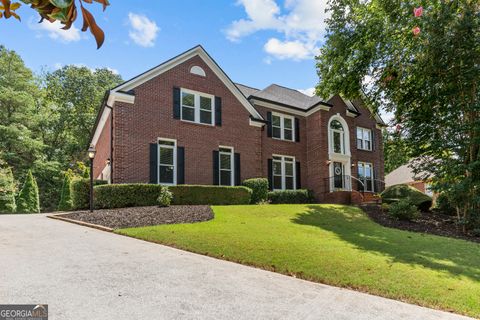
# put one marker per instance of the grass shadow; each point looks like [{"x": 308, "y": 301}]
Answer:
[{"x": 451, "y": 257}]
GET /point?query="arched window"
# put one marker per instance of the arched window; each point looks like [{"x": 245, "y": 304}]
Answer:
[
  {"x": 198, "y": 71},
  {"x": 337, "y": 136}
]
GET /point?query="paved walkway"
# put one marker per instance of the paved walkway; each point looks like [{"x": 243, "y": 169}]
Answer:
[{"x": 83, "y": 273}]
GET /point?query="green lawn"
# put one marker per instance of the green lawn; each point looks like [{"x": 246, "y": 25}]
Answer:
[{"x": 337, "y": 245}]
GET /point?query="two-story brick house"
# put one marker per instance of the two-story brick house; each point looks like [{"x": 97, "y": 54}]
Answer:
[{"x": 186, "y": 122}]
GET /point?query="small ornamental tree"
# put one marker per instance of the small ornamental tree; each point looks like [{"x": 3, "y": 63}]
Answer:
[
  {"x": 65, "y": 203},
  {"x": 28, "y": 199},
  {"x": 7, "y": 191}
]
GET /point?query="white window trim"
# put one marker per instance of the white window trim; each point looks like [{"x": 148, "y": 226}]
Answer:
[
  {"x": 283, "y": 176},
  {"x": 363, "y": 140},
  {"x": 346, "y": 139},
  {"x": 282, "y": 126},
  {"x": 362, "y": 163},
  {"x": 174, "y": 147},
  {"x": 196, "y": 106},
  {"x": 232, "y": 165}
]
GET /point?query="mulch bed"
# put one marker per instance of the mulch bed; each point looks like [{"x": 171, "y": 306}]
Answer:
[
  {"x": 143, "y": 216},
  {"x": 431, "y": 223}
]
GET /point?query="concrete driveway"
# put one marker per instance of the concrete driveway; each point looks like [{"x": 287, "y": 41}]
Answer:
[{"x": 83, "y": 273}]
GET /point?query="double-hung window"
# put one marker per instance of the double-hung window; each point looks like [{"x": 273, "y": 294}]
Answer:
[
  {"x": 197, "y": 107},
  {"x": 283, "y": 127},
  {"x": 283, "y": 168},
  {"x": 167, "y": 151},
  {"x": 225, "y": 167},
  {"x": 365, "y": 175},
  {"x": 364, "y": 139}
]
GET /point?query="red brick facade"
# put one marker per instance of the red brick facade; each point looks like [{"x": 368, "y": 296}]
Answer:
[{"x": 150, "y": 117}]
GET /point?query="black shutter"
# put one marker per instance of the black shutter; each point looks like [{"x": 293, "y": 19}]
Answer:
[
  {"x": 153, "y": 162},
  {"x": 297, "y": 130},
  {"x": 218, "y": 111},
  {"x": 236, "y": 163},
  {"x": 270, "y": 174},
  {"x": 176, "y": 103},
  {"x": 269, "y": 124},
  {"x": 298, "y": 175},
  {"x": 373, "y": 140},
  {"x": 180, "y": 165},
  {"x": 216, "y": 179}
]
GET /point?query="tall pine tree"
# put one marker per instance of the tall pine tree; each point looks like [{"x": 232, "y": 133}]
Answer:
[{"x": 28, "y": 199}]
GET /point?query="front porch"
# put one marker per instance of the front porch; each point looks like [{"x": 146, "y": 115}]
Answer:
[{"x": 347, "y": 189}]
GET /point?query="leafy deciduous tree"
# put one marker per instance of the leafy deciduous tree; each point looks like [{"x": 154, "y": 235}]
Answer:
[{"x": 425, "y": 66}]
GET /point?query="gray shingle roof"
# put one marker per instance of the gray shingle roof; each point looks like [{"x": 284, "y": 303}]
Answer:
[
  {"x": 287, "y": 96},
  {"x": 246, "y": 90},
  {"x": 291, "y": 97}
]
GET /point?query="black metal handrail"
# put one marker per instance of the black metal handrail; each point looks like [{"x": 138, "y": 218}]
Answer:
[{"x": 351, "y": 183}]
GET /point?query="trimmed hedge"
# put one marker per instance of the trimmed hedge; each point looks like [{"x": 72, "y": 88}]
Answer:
[
  {"x": 291, "y": 196},
  {"x": 259, "y": 188},
  {"x": 137, "y": 195},
  {"x": 80, "y": 192},
  {"x": 403, "y": 191}
]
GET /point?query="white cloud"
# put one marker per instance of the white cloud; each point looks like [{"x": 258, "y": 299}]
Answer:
[
  {"x": 309, "y": 91},
  {"x": 301, "y": 24},
  {"x": 143, "y": 30},
  {"x": 55, "y": 32},
  {"x": 295, "y": 50}
]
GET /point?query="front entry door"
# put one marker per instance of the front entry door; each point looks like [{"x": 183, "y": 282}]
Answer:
[{"x": 338, "y": 175}]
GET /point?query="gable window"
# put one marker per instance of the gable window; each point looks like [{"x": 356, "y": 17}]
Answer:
[
  {"x": 226, "y": 165},
  {"x": 283, "y": 173},
  {"x": 364, "y": 139},
  {"x": 338, "y": 137},
  {"x": 197, "y": 107},
  {"x": 282, "y": 127},
  {"x": 365, "y": 175},
  {"x": 167, "y": 161}
]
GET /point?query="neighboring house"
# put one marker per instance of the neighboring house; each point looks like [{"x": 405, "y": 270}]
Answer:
[
  {"x": 186, "y": 122},
  {"x": 404, "y": 175}
]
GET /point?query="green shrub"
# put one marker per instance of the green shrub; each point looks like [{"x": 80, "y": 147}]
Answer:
[
  {"x": 444, "y": 205},
  {"x": 126, "y": 195},
  {"x": 403, "y": 191},
  {"x": 211, "y": 195},
  {"x": 259, "y": 188},
  {"x": 291, "y": 196},
  {"x": 65, "y": 203},
  {"x": 28, "y": 199},
  {"x": 165, "y": 197},
  {"x": 385, "y": 206},
  {"x": 7, "y": 191},
  {"x": 404, "y": 210},
  {"x": 80, "y": 192},
  {"x": 137, "y": 195}
]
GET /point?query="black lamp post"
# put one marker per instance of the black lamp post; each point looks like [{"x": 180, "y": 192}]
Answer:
[{"x": 91, "y": 155}]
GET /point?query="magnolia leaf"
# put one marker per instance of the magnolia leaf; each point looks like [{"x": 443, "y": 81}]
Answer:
[
  {"x": 61, "y": 3},
  {"x": 89, "y": 21},
  {"x": 14, "y": 6}
]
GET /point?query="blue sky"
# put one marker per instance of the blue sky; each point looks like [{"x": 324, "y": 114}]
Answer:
[{"x": 257, "y": 42}]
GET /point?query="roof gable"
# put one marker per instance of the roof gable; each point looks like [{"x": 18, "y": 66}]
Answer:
[{"x": 169, "y": 64}]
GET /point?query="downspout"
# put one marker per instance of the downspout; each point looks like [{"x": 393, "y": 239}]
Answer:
[{"x": 111, "y": 142}]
